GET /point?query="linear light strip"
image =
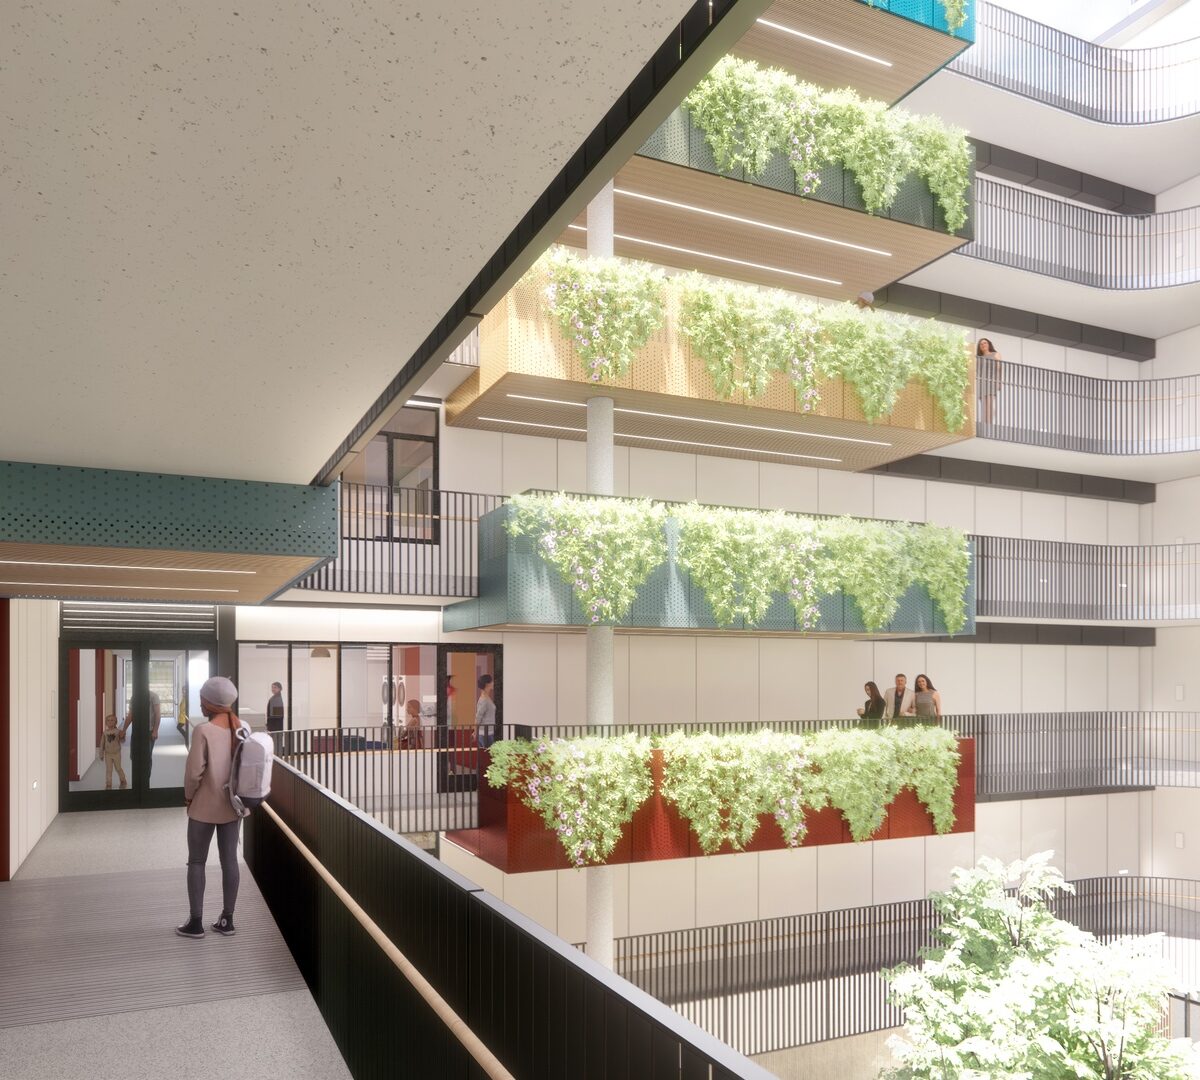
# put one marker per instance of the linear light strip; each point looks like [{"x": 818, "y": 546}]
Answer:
[
  {"x": 704, "y": 420},
  {"x": 750, "y": 221},
  {"x": 121, "y": 566},
  {"x": 717, "y": 258},
  {"x": 671, "y": 442},
  {"x": 133, "y": 605},
  {"x": 126, "y": 626},
  {"x": 93, "y": 585},
  {"x": 822, "y": 41}
]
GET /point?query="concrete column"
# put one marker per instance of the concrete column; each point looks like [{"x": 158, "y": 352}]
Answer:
[
  {"x": 600, "y": 223},
  {"x": 600, "y": 446}
]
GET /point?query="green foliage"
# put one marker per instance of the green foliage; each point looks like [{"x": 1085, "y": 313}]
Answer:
[
  {"x": 869, "y": 353},
  {"x": 722, "y": 783},
  {"x": 928, "y": 760},
  {"x": 871, "y": 562},
  {"x": 956, "y": 12},
  {"x": 604, "y": 548},
  {"x": 859, "y": 773},
  {"x": 608, "y": 308},
  {"x": 1014, "y": 991},
  {"x": 585, "y": 789},
  {"x": 941, "y": 561},
  {"x": 936, "y": 356},
  {"x": 748, "y": 114}
]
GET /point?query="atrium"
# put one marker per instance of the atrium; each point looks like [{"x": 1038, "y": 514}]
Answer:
[{"x": 699, "y": 499}]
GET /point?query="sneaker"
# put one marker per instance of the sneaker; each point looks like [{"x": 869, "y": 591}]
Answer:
[
  {"x": 224, "y": 925},
  {"x": 193, "y": 928}
]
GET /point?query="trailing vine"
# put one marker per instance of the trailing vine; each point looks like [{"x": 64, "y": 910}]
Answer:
[
  {"x": 604, "y": 548},
  {"x": 941, "y": 561},
  {"x": 859, "y": 773},
  {"x": 749, "y": 114},
  {"x": 928, "y": 760},
  {"x": 871, "y": 562},
  {"x": 608, "y": 308},
  {"x": 586, "y": 790}
]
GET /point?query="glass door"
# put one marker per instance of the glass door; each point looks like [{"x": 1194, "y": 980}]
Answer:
[{"x": 126, "y": 718}]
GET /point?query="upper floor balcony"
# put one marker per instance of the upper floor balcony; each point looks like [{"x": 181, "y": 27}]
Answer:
[
  {"x": 1025, "y": 230},
  {"x": 1099, "y": 83}
]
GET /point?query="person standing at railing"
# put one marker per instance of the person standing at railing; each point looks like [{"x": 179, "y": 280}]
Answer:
[
  {"x": 411, "y": 737},
  {"x": 275, "y": 710},
  {"x": 898, "y": 699},
  {"x": 927, "y": 702},
  {"x": 989, "y": 377},
  {"x": 875, "y": 706}
]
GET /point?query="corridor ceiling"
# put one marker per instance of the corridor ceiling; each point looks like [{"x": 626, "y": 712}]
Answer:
[{"x": 226, "y": 226}]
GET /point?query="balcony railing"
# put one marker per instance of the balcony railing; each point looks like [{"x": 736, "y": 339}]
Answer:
[
  {"x": 406, "y": 542},
  {"x": 1112, "y": 86},
  {"x": 1035, "y": 406},
  {"x": 778, "y": 983},
  {"x": 1042, "y": 579},
  {"x": 1027, "y": 230}
]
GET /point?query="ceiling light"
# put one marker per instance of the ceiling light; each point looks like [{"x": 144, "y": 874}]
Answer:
[
  {"x": 827, "y": 44},
  {"x": 726, "y": 259},
  {"x": 672, "y": 442},
  {"x": 121, "y": 566},
  {"x": 703, "y": 420},
  {"x": 751, "y": 221},
  {"x": 93, "y": 585}
]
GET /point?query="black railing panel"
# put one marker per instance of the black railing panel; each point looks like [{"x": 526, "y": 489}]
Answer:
[{"x": 1112, "y": 86}]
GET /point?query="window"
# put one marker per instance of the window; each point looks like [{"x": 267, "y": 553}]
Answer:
[{"x": 397, "y": 474}]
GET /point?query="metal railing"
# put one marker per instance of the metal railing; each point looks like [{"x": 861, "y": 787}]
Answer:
[
  {"x": 405, "y": 542},
  {"x": 1026, "y": 230},
  {"x": 1045, "y": 579},
  {"x": 431, "y": 783},
  {"x": 1112, "y": 86},
  {"x": 778, "y": 983},
  {"x": 537, "y": 1005},
  {"x": 1035, "y": 406}
]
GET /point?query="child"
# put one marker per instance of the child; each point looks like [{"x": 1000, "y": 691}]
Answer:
[{"x": 110, "y": 747}]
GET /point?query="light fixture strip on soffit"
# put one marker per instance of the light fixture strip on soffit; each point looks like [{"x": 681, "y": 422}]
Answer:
[
  {"x": 94, "y": 585},
  {"x": 746, "y": 221},
  {"x": 718, "y": 258},
  {"x": 122, "y": 566},
  {"x": 134, "y": 605},
  {"x": 669, "y": 442},
  {"x": 705, "y": 420},
  {"x": 823, "y": 41}
]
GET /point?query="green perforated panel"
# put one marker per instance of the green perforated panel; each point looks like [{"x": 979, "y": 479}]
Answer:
[
  {"x": 54, "y": 504},
  {"x": 518, "y": 588}
]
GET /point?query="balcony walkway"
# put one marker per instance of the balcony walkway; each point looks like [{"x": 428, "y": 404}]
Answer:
[{"x": 94, "y": 983}]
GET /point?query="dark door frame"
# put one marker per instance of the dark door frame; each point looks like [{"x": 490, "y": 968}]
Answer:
[{"x": 139, "y": 795}]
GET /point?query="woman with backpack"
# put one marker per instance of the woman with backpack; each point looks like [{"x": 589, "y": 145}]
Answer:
[{"x": 209, "y": 809}]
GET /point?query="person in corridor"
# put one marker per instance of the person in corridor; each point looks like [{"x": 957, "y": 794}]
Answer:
[
  {"x": 110, "y": 744},
  {"x": 209, "y": 810}
]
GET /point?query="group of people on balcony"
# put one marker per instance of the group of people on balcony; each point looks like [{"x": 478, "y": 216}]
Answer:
[{"x": 897, "y": 702}]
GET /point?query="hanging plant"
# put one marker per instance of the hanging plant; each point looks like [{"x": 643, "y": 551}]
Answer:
[
  {"x": 937, "y": 354},
  {"x": 585, "y": 789},
  {"x": 863, "y": 349},
  {"x": 928, "y": 760},
  {"x": 858, "y": 772},
  {"x": 607, "y": 308},
  {"x": 604, "y": 548},
  {"x": 722, "y": 783},
  {"x": 941, "y": 561},
  {"x": 748, "y": 114},
  {"x": 871, "y": 562}
]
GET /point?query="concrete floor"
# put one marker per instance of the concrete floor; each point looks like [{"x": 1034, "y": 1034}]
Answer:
[{"x": 96, "y": 1025}]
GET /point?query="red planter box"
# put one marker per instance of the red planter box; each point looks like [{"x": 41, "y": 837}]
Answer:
[{"x": 514, "y": 839}]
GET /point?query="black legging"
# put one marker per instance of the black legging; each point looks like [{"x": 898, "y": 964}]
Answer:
[{"x": 199, "y": 837}]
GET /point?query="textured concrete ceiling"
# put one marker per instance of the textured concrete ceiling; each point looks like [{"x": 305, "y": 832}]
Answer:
[{"x": 225, "y": 226}]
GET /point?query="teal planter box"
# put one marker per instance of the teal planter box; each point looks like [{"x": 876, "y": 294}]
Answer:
[
  {"x": 518, "y": 588},
  {"x": 929, "y": 13}
]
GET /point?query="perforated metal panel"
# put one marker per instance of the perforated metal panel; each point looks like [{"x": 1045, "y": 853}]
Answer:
[
  {"x": 519, "y": 588},
  {"x": 60, "y": 505}
]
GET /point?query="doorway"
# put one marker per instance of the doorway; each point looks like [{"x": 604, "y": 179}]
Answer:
[{"x": 127, "y": 713}]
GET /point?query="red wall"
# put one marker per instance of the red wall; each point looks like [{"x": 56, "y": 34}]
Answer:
[{"x": 5, "y": 740}]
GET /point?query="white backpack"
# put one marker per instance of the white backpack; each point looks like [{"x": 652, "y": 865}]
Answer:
[{"x": 250, "y": 777}]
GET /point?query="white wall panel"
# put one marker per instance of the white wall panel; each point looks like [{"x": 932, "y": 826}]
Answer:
[
  {"x": 899, "y": 498},
  {"x": 1122, "y": 674},
  {"x": 1043, "y": 517},
  {"x": 534, "y": 894},
  {"x": 571, "y": 917},
  {"x": 899, "y": 870},
  {"x": 662, "y": 679},
  {"x": 950, "y": 504},
  {"x": 727, "y": 889},
  {"x": 1087, "y": 677},
  {"x": 529, "y": 462},
  {"x": 1039, "y": 354},
  {"x": 726, "y": 481},
  {"x": 844, "y": 667},
  {"x": 1043, "y": 682},
  {"x": 1087, "y": 521},
  {"x": 845, "y": 493},
  {"x": 1174, "y": 512},
  {"x": 1043, "y": 828},
  {"x": 789, "y": 677},
  {"x": 844, "y": 876},
  {"x": 998, "y": 830},
  {"x": 571, "y": 657},
  {"x": 787, "y": 487},
  {"x": 952, "y": 669},
  {"x": 662, "y": 474},
  {"x": 727, "y": 679},
  {"x": 1176, "y": 675},
  {"x": 471, "y": 460},
  {"x": 998, "y": 678},
  {"x": 1124, "y": 522},
  {"x": 787, "y": 882},
  {"x": 662, "y": 896},
  {"x": 572, "y": 465},
  {"x": 1086, "y": 843},
  {"x": 530, "y": 679},
  {"x": 944, "y": 854},
  {"x": 997, "y": 512},
  {"x": 1123, "y": 832}
]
